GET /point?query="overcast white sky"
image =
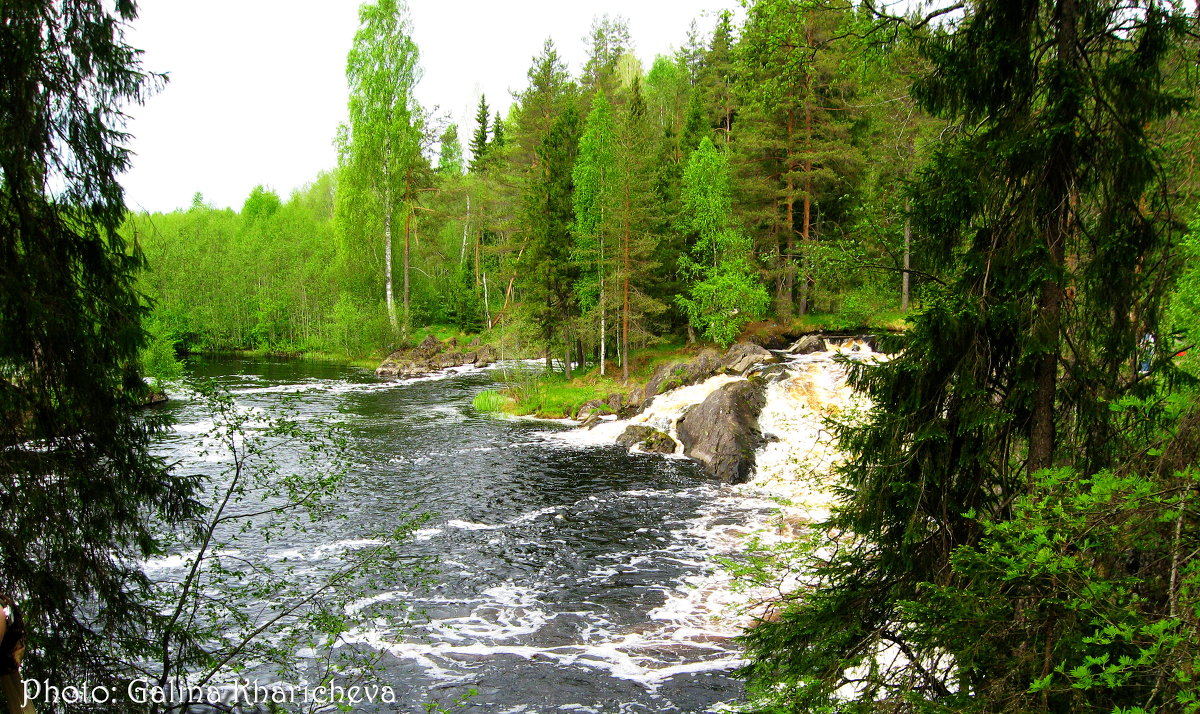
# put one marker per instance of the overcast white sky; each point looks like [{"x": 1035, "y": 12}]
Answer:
[{"x": 258, "y": 87}]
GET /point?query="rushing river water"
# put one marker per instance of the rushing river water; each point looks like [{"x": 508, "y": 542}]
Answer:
[{"x": 570, "y": 576}]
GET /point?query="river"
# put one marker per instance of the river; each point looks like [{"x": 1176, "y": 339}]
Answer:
[{"x": 570, "y": 575}]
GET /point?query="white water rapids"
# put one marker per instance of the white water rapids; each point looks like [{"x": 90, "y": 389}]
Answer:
[
  {"x": 571, "y": 576},
  {"x": 792, "y": 480}
]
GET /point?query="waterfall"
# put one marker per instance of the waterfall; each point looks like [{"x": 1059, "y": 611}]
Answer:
[{"x": 799, "y": 452}]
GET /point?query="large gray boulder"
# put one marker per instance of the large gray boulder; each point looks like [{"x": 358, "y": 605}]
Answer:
[
  {"x": 673, "y": 375},
  {"x": 807, "y": 345},
  {"x": 721, "y": 433},
  {"x": 744, "y": 356}
]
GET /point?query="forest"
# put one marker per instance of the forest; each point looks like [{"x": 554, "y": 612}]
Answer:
[
  {"x": 755, "y": 174},
  {"x": 1014, "y": 180}
]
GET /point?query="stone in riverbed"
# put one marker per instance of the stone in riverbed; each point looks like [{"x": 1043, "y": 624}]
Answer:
[
  {"x": 744, "y": 356},
  {"x": 807, "y": 345},
  {"x": 432, "y": 355},
  {"x": 721, "y": 433},
  {"x": 647, "y": 438},
  {"x": 594, "y": 407}
]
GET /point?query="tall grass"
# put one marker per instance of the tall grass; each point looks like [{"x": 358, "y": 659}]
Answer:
[{"x": 489, "y": 401}]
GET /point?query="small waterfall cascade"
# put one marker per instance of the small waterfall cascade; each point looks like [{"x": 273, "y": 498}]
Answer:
[
  {"x": 663, "y": 413},
  {"x": 800, "y": 451},
  {"x": 794, "y": 467}
]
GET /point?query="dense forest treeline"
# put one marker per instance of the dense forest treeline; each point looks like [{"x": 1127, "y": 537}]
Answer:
[{"x": 757, "y": 172}]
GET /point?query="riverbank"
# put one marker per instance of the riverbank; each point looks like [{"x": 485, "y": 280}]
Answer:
[{"x": 550, "y": 395}]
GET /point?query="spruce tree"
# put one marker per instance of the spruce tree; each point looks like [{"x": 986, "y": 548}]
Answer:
[
  {"x": 634, "y": 220},
  {"x": 81, "y": 487},
  {"x": 497, "y": 142},
  {"x": 1046, "y": 227},
  {"x": 479, "y": 139},
  {"x": 550, "y": 279}
]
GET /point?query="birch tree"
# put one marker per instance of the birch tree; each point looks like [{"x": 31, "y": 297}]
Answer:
[{"x": 383, "y": 142}]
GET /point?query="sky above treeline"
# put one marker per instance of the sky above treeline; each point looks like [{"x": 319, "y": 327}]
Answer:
[{"x": 257, "y": 87}]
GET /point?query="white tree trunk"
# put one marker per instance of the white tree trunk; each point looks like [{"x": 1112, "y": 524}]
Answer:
[{"x": 389, "y": 289}]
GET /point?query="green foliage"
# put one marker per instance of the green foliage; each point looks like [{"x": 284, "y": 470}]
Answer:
[
  {"x": 489, "y": 401},
  {"x": 725, "y": 293},
  {"x": 1183, "y": 311},
  {"x": 549, "y": 395},
  {"x": 221, "y": 280},
  {"x": 450, "y": 154},
  {"x": 1066, "y": 577},
  {"x": 994, "y": 533},
  {"x": 466, "y": 304},
  {"x": 593, "y": 175},
  {"x": 159, "y": 358},
  {"x": 82, "y": 487},
  {"x": 382, "y": 163},
  {"x": 550, "y": 215},
  {"x": 726, "y": 299}
]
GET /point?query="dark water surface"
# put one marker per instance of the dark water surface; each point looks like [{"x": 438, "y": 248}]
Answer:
[{"x": 570, "y": 577}]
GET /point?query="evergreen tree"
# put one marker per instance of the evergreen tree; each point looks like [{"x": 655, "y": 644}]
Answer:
[
  {"x": 717, "y": 76},
  {"x": 794, "y": 137},
  {"x": 479, "y": 139},
  {"x": 549, "y": 94},
  {"x": 497, "y": 143},
  {"x": 82, "y": 489},
  {"x": 610, "y": 41},
  {"x": 550, "y": 280},
  {"x": 634, "y": 220},
  {"x": 998, "y": 459}
]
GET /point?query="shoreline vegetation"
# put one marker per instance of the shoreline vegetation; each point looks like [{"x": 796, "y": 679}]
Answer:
[{"x": 551, "y": 395}]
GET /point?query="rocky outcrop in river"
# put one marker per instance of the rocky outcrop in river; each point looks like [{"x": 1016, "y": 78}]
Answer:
[
  {"x": 721, "y": 433},
  {"x": 433, "y": 355},
  {"x": 709, "y": 406}
]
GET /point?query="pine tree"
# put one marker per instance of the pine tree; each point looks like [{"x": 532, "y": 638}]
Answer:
[
  {"x": 794, "y": 137},
  {"x": 610, "y": 41}
]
